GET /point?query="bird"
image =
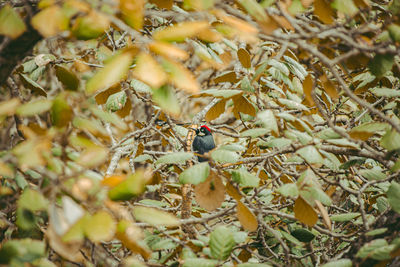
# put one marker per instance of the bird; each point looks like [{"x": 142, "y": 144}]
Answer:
[{"x": 203, "y": 142}]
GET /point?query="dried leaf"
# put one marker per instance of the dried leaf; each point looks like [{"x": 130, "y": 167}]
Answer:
[
  {"x": 216, "y": 110},
  {"x": 244, "y": 57},
  {"x": 132, "y": 12},
  {"x": 50, "y": 21},
  {"x": 324, "y": 11},
  {"x": 211, "y": 193},
  {"x": 168, "y": 50},
  {"x": 246, "y": 217},
  {"x": 180, "y": 31},
  {"x": 11, "y": 24},
  {"x": 148, "y": 70},
  {"x": 304, "y": 212},
  {"x": 180, "y": 76}
]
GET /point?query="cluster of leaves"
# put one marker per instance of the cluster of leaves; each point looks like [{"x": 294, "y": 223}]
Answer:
[{"x": 301, "y": 96}]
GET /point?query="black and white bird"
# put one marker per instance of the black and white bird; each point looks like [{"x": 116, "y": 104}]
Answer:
[{"x": 203, "y": 142}]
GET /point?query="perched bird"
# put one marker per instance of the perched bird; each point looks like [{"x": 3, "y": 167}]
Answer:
[{"x": 203, "y": 142}]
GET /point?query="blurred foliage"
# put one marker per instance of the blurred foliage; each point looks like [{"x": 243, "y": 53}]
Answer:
[{"x": 301, "y": 96}]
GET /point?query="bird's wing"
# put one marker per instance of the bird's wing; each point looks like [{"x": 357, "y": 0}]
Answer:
[{"x": 198, "y": 145}]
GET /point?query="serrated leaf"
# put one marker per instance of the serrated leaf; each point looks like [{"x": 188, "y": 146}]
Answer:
[
  {"x": 393, "y": 195},
  {"x": 174, "y": 158},
  {"x": 100, "y": 227},
  {"x": 11, "y": 24},
  {"x": 155, "y": 217},
  {"x": 221, "y": 242},
  {"x": 195, "y": 174},
  {"x": 116, "y": 101},
  {"x": 224, "y": 156},
  {"x": 112, "y": 72},
  {"x": 344, "y": 217}
]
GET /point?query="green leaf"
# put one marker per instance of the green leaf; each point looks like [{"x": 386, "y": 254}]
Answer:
[
  {"x": 67, "y": 78},
  {"x": 310, "y": 154},
  {"x": 393, "y": 195},
  {"x": 90, "y": 26},
  {"x": 23, "y": 250},
  {"x": 303, "y": 235},
  {"x": 32, "y": 200},
  {"x": 112, "y": 72},
  {"x": 378, "y": 231},
  {"x": 253, "y": 133},
  {"x": 386, "y": 92},
  {"x": 199, "y": 262},
  {"x": 100, "y": 227},
  {"x": 196, "y": 174},
  {"x": 377, "y": 249},
  {"x": 344, "y": 217},
  {"x": 221, "y": 93},
  {"x": 394, "y": 32},
  {"x": 289, "y": 190},
  {"x": 391, "y": 140},
  {"x": 339, "y": 263},
  {"x": 166, "y": 99},
  {"x": 61, "y": 112},
  {"x": 131, "y": 187},
  {"x": 275, "y": 143},
  {"x": 155, "y": 217},
  {"x": 34, "y": 107},
  {"x": 291, "y": 238},
  {"x": 244, "y": 178},
  {"x": 316, "y": 193},
  {"x": 251, "y": 264},
  {"x": 381, "y": 64},
  {"x": 268, "y": 120},
  {"x": 245, "y": 85},
  {"x": 372, "y": 174},
  {"x": 224, "y": 156},
  {"x": 174, "y": 158},
  {"x": 116, "y": 101},
  {"x": 292, "y": 104},
  {"x": 221, "y": 243},
  {"x": 140, "y": 87},
  {"x": 32, "y": 85},
  {"x": 345, "y": 6},
  {"x": 254, "y": 9},
  {"x": 11, "y": 24}
]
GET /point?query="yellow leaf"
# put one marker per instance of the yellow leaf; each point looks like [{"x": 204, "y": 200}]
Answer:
[
  {"x": 181, "y": 77},
  {"x": 113, "y": 180},
  {"x": 304, "y": 212},
  {"x": 9, "y": 107},
  {"x": 50, "y": 21},
  {"x": 227, "y": 77},
  {"x": 93, "y": 156},
  {"x": 167, "y": 4},
  {"x": 241, "y": 104},
  {"x": 180, "y": 31},
  {"x": 100, "y": 227},
  {"x": 209, "y": 35},
  {"x": 112, "y": 73},
  {"x": 155, "y": 217},
  {"x": 329, "y": 87},
  {"x": 90, "y": 26},
  {"x": 11, "y": 23},
  {"x": 148, "y": 70},
  {"x": 324, "y": 214},
  {"x": 324, "y": 11},
  {"x": 233, "y": 192},
  {"x": 132, "y": 12},
  {"x": 211, "y": 193},
  {"x": 216, "y": 110},
  {"x": 131, "y": 237},
  {"x": 168, "y": 50},
  {"x": 246, "y": 217}
]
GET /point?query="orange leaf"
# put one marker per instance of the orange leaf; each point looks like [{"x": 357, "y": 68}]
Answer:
[
  {"x": 246, "y": 217},
  {"x": 50, "y": 21},
  {"x": 211, "y": 193},
  {"x": 113, "y": 180},
  {"x": 304, "y": 212},
  {"x": 180, "y": 31},
  {"x": 132, "y": 12},
  {"x": 180, "y": 76},
  {"x": 233, "y": 192},
  {"x": 149, "y": 71},
  {"x": 168, "y": 50},
  {"x": 324, "y": 11},
  {"x": 329, "y": 87}
]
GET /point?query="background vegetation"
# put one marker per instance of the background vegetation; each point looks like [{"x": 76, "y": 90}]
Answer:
[{"x": 97, "y": 102}]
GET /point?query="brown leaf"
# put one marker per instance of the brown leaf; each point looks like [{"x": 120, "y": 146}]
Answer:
[
  {"x": 216, "y": 110},
  {"x": 307, "y": 88},
  {"x": 323, "y": 10},
  {"x": 304, "y": 212},
  {"x": 123, "y": 112},
  {"x": 167, "y": 4},
  {"x": 241, "y": 104},
  {"x": 329, "y": 87},
  {"x": 148, "y": 70},
  {"x": 181, "y": 31},
  {"x": 244, "y": 57},
  {"x": 101, "y": 98},
  {"x": 211, "y": 193},
  {"x": 324, "y": 214},
  {"x": 232, "y": 191},
  {"x": 246, "y": 217},
  {"x": 227, "y": 77},
  {"x": 69, "y": 251},
  {"x": 180, "y": 76},
  {"x": 131, "y": 237}
]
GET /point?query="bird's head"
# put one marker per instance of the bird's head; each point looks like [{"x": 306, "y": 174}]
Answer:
[{"x": 204, "y": 130}]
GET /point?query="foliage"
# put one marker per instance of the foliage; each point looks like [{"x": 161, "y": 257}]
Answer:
[{"x": 301, "y": 96}]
